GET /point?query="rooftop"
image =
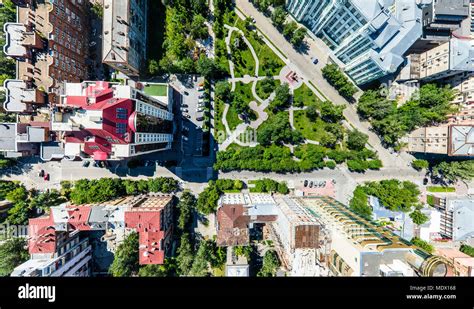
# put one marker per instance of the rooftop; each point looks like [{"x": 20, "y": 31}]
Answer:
[{"x": 462, "y": 140}]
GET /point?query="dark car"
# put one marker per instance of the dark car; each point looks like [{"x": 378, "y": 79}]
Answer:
[
  {"x": 425, "y": 181},
  {"x": 305, "y": 183},
  {"x": 315, "y": 60},
  {"x": 86, "y": 163},
  {"x": 41, "y": 173},
  {"x": 96, "y": 164},
  {"x": 311, "y": 184},
  {"x": 200, "y": 118},
  {"x": 186, "y": 93}
]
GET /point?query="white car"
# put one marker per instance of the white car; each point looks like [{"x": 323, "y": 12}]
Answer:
[
  {"x": 201, "y": 88},
  {"x": 200, "y": 109}
]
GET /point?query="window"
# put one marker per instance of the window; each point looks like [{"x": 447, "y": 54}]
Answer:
[
  {"x": 121, "y": 128},
  {"x": 122, "y": 113}
]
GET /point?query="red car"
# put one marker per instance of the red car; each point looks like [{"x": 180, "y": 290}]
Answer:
[{"x": 46, "y": 177}]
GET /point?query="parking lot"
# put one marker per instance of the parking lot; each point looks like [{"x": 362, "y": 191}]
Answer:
[{"x": 192, "y": 115}]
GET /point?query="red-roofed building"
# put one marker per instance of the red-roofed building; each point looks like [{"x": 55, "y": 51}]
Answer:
[
  {"x": 107, "y": 121},
  {"x": 152, "y": 219}
]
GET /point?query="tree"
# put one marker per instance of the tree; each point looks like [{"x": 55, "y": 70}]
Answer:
[
  {"x": 359, "y": 203},
  {"x": 311, "y": 112},
  {"x": 267, "y": 85},
  {"x": 356, "y": 140},
  {"x": 282, "y": 98},
  {"x": 279, "y": 17},
  {"x": 277, "y": 129},
  {"x": 289, "y": 29},
  {"x": 270, "y": 264},
  {"x": 13, "y": 252},
  {"x": 245, "y": 251},
  {"x": 207, "y": 67},
  {"x": 167, "y": 269},
  {"x": 422, "y": 244},
  {"x": 153, "y": 67},
  {"x": 185, "y": 255},
  {"x": 331, "y": 113},
  {"x": 335, "y": 77},
  {"x": 418, "y": 217},
  {"x": 455, "y": 170},
  {"x": 420, "y": 164},
  {"x": 373, "y": 105},
  {"x": 298, "y": 36},
  {"x": 200, "y": 264},
  {"x": 198, "y": 27},
  {"x": 467, "y": 250},
  {"x": 18, "y": 194},
  {"x": 125, "y": 262},
  {"x": 185, "y": 207},
  {"x": 222, "y": 91}
]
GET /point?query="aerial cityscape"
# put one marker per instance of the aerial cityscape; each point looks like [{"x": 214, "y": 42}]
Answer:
[{"x": 245, "y": 138}]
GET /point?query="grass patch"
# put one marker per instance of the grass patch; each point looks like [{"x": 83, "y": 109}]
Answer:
[
  {"x": 156, "y": 90},
  {"x": 262, "y": 94},
  {"x": 304, "y": 96},
  {"x": 313, "y": 130},
  {"x": 244, "y": 64},
  {"x": 270, "y": 63},
  {"x": 245, "y": 91},
  {"x": 233, "y": 119},
  {"x": 441, "y": 189},
  {"x": 218, "y": 112}
]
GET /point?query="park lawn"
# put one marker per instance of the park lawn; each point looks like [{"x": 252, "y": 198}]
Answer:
[
  {"x": 156, "y": 90},
  {"x": 312, "y": 130},
  {"x": 219, "y": 111},
  {"x": 262, "y": 94},
  {"x": 270, "y": 63},
  {"x": 221, "y": 53},
  {"x": 233, "y": 119},
  {"x": 243, "y": 64},
  {"x": 441, "y": 189},
  {"x": 245, "y": 91},
  {"x": 304, "y": 96}
]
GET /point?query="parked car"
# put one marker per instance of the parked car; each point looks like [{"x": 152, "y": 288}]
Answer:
[
  {"x": 425, "y": 181},
  {"x": 201, "y": 88},
  {"x": 186, "y": 93},
  {"x": 86, "y": 163},
  {"x": 185, "y": 110},
  {"x": 314, "y": 60},
  {"x": 184, "y": 105},
  {"x": 200, "y": 109},
  {"x": 311, "y": 184},
  {"x": 201, "y": 96},
  {"x": 41, "y": 173},
  {"x": 305, "y": 183},
  {"x": 185, "y": 138},
  {"x": 186, "y": 116},
  {"x": 149, "y": 163},
  {"x": 46, "y": 177},
  {"x": 185, "y": 128},
  {"x": 200, "y": 118}
]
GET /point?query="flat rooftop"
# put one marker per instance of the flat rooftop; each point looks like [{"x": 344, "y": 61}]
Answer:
[{"x": 8, "y": 137}]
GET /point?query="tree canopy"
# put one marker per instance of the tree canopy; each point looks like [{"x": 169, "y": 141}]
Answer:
[
  {"x": 13, "y": 252},
  {"x": 125, "y": 262}
]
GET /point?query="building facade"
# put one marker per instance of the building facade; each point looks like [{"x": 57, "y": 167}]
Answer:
[
  {"x": 110, "y": 122},
  {"x": 125, "y": 35},
  {"x": 457, "y": 216},
  {"x": 369, "y": 37}
]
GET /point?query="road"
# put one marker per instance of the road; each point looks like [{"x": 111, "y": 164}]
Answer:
[{"x": 302, "y": 62}]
